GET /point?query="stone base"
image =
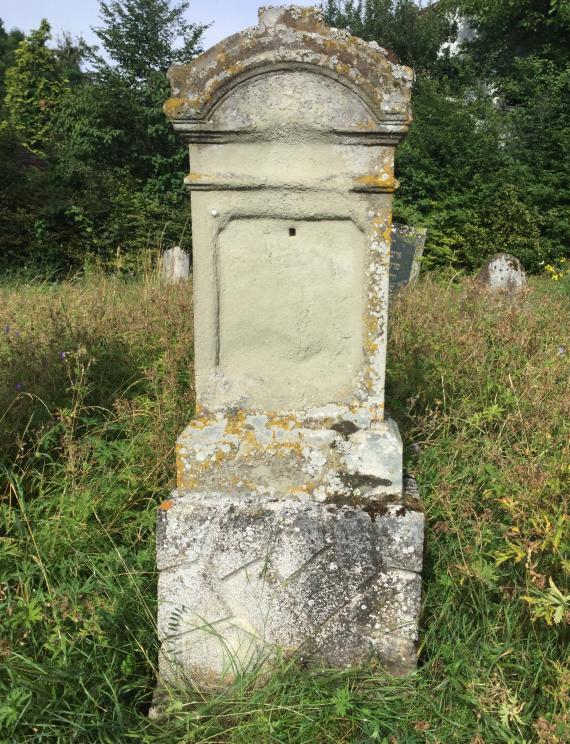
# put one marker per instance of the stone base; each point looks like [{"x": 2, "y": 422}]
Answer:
[
  {"x": 242, "y": 577},
  {"x": 328, "y": 455}
]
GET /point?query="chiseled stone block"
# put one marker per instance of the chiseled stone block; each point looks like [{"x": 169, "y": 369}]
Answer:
[{"x": 244, "y": 576}]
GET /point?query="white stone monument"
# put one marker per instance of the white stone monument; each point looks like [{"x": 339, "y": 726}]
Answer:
[
  {"x": 175, "y": 265},
  {"x": 502, "y": 272},
  {"x": 290, "y": 529}
]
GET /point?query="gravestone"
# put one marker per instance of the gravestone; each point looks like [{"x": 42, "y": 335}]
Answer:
[
  {"x": 502, "y": 272},
  {"x": 175, "y": 265},
  {"x": 406, "y": 254},
  {"x": 291, "y": 529}
]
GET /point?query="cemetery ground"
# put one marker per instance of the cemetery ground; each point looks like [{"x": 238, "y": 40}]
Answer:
[{"x": 95, "y": 386}]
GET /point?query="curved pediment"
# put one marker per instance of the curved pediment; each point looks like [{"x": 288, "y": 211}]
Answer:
[{"x": 293, "y": 41}]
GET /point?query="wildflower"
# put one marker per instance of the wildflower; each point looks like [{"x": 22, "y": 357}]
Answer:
[
  {"x": 19, "y": 386},
  {"x": 561, "y": 350},
  {"x": 6, "y": 329},
  {"x": 62, "y": 355}
]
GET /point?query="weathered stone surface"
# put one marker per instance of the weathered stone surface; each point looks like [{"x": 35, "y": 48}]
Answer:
[
  {"x": 289, "y": 528},
  {"x": 502, "y": 271},
  {"x": 406, "y": 254},
  {"x": 242, "y": 576},
  {"x": 298, "y": 38},
  {"x": 292, "y": 128},
  {"x": 330, "y": 458},
  {"x": 175, "y": 265}
]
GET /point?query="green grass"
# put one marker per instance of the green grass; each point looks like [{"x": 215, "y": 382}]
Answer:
[{"x": 480, "y": 387}]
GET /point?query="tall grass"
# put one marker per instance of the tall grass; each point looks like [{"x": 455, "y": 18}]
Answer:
[{"x": 95, "y": 384}]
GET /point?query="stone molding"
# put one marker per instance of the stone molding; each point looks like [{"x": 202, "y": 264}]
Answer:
[{"x": 290, "y": 39}]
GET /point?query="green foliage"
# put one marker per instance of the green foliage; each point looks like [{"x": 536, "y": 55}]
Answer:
[
  {"x": 485, "y": 166},
  {"x": 34, "y": 89},
  {"x": 514, "y": 29},
  {"x": 9, "y": 41},
  {"x": 143, "y": 37},
  {"x": 17, "y": 183},
  {"x": 550, "y": 605},
  {"x": 479, "y": 385},
  {"x": 111, "y": 179},
  {"x": 539, "y": 127},
  {"x": 112, "y": 176},
  {"x": 398, "y": 25}
]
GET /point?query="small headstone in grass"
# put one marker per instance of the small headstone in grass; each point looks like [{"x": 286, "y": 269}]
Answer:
[
  {"x": 291, "y": 527},
  {"x": 175, "y": 265},
  {"x": 502, "y": 272},
  {"x": 406, "y": 254}
]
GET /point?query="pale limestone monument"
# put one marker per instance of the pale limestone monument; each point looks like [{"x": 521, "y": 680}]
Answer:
[
  {"x": 175, "y": 265},
  {"x": 502, "y": 272},
  {"x": 291, "y": 530}
]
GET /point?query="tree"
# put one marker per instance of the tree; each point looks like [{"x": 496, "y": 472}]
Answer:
[
  {"x": 116, "y": 118},
  {"x": 34, "y": 88},
  {"x": 8, "y": 44},
  {"x": 414, "y": 35},
  {"x": 522, "y": 50},
  {"x": 514, "y": 29},
  {"x": 143, "y": 37},
  {"x": 117, "y": 152},
  {"x": 485, "y": 166}
]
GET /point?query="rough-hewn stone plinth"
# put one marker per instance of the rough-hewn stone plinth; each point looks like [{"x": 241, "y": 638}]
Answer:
[{"x": 242, "y": 577}]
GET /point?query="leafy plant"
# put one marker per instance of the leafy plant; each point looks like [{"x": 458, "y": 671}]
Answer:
[{"x": 550, "y": 605}]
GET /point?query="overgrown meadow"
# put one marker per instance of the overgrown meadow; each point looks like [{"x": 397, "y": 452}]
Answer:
[{"x": 95, "y": 385}]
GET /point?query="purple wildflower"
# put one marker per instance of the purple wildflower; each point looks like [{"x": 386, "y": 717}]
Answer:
[
  {"x": 561, "y": 350},
  {"x": 62, "y": 355},
  {"x": 19, "y": 386}
]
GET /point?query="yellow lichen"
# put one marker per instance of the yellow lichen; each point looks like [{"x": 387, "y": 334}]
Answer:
[
  {"x": 386, "y": 182},
  {"x": 174, "y": 106}
]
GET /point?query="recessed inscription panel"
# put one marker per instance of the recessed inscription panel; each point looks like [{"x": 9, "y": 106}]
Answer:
[{"x": 291, "y": 309}]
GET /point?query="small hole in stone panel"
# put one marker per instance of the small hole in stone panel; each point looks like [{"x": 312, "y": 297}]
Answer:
[{"x": 292, "y": 232}]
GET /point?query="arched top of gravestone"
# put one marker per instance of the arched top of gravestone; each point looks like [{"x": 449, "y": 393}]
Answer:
[{"x": 295, "y": 41}]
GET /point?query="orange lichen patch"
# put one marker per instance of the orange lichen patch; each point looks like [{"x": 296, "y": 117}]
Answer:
[
  {"x": 167, "y": 505},
  {"x": 174, "y": 106},
  {"x": 236, "y": 423},
  {"x": 386, "y": 182},
  {"x": 201, "y": 421}
]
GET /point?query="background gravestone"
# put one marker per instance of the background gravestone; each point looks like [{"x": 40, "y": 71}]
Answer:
[
  {"x": 406, "y": 254},
  {"x": 175, "y": 265},
  {"x": 290, "y": 528},
  {"x": 502, "y": 271}
]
